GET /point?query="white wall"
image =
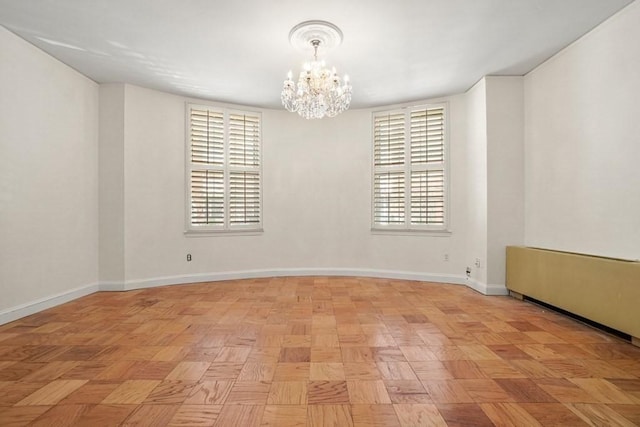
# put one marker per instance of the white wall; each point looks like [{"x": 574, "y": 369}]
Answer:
[
  {"x": 476, "y": 182},
  {"x": 111, "y": 183},
  {"x": 495, "y": 178},
  {"x": 505, "y": 172},
  {"x": 582, "y": 143},
  {"x": 317, "y": 190},
  {"x": 48, "y": 177}
]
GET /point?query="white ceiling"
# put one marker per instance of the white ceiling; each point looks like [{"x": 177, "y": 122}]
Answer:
[{"x": 239, "y": 52}]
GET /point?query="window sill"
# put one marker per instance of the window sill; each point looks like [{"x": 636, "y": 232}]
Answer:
[
  {"x": 411, "y": 232},
  {"x": 221, "y": 233}
]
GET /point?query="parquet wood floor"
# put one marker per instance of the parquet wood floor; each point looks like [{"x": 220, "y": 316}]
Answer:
[{"x": 312, "y": 351}]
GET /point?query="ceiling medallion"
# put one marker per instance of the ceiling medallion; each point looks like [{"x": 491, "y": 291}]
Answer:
[{"x": 320, "y": 92}]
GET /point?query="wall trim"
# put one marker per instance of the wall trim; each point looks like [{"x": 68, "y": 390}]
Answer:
[
  {"x": 495, "y": 290},
  {"x": 23, "y": 310},
  {"x": 112, "y": 286},
  {"x": 290, "y": 272},
  {"x": 486, "y": 289}
]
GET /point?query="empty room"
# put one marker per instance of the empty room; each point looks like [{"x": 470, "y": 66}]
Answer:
[{"x": 338, "y": 213}]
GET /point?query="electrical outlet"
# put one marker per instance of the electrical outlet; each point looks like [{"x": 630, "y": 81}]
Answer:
[
  {"x": 188, "y": 257},
  {"x": 477, "y": 262},
  {"x": 446, "y": 257},
  {"x": 468, "y": 271}
]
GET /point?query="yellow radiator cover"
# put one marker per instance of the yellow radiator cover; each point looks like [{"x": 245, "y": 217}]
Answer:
[{"x": 604, "y": 290}]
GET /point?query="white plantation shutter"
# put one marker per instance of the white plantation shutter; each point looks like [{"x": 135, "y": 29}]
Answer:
[
  {"x": 244, "y": 198},
  {"x": 224, "y": 170},
  {"x": 389, "y": 198},
  {"x": 427, "y": 197},
  {"x": 388, "y": 161},
  {"x": 244, "y": 140},
  {"x": 207, "y": 136},
  {"x": 427, "y": 135},
  {"x": 427, "y": 166},
  {"x": 244, "y": 169},
  {"x": 388, "y": 139},
  {"x": 207, "y": 197},
  {"x": 409, "y": 187}
]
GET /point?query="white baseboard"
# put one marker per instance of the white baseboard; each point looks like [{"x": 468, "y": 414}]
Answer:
[
  {"x": 486, "y": 289},
  {"x": 27, "y": 309},
  {"x": 112, "y": 286},
  {"x": 495, "y": 290},
  {"x": 289, "y": 272}
]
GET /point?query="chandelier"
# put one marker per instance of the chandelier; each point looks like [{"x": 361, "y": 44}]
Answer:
[{"x": 320, "y": 92}]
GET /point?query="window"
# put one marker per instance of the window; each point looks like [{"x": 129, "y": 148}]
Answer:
[
  {"x": 409, "y": 169},
  {"x": 223, "y": 169}
]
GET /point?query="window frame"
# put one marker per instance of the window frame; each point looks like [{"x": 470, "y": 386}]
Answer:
[
  {"x": 407, "y": 168},
  {"x": 227, "y": 169}
]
